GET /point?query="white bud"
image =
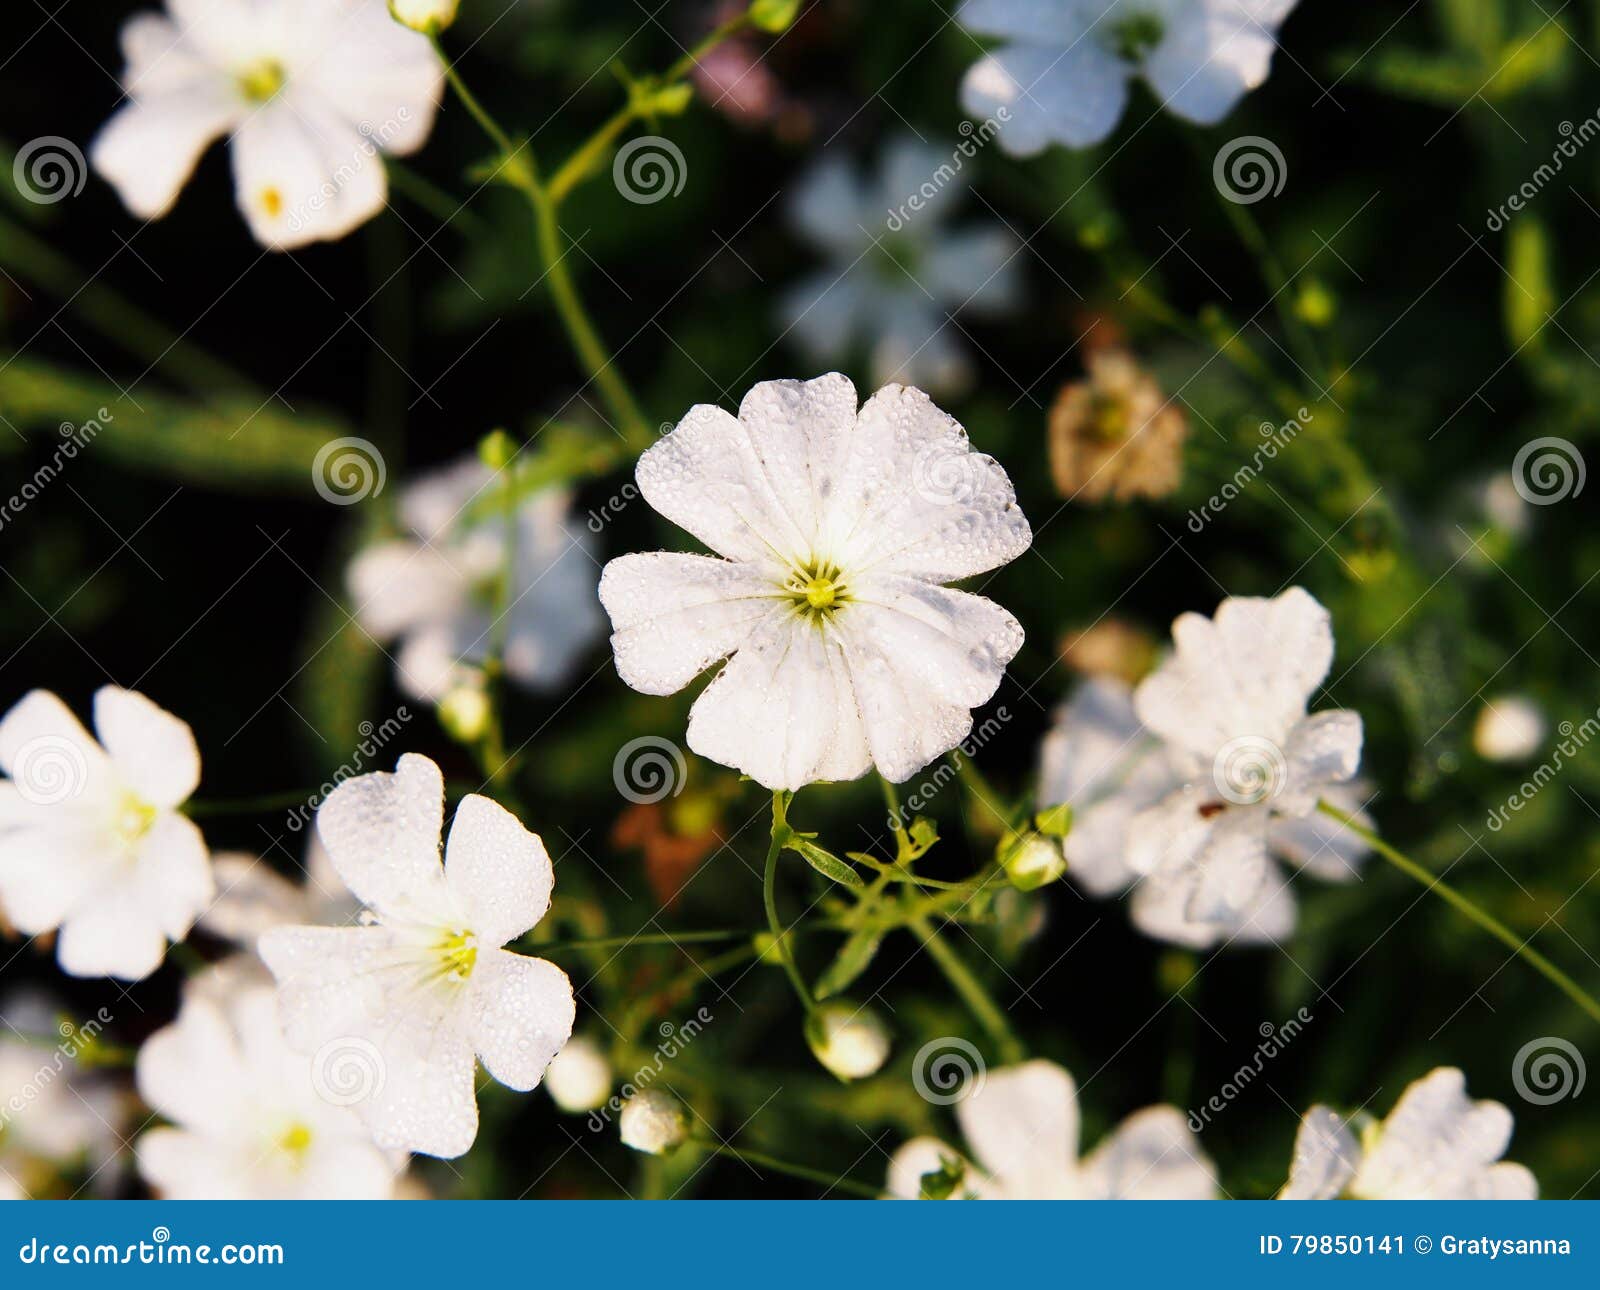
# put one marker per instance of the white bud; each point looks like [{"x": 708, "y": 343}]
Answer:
[
  {"x": 654, "y": 1122},
  {"x": 1035, "y": 861},
  {"x": 849, "y": 1039},
  {"x": 464, "y": 712},
  {"x": 430, "y": 17},
  {"x": 1510, "y": 727},
  {"x": 579, "y": 1079}
]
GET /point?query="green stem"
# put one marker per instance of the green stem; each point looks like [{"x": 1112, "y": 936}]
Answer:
[
  {"x": 1481, "y": 917},
  {"x": 971, "y": 991},
  {"x": 769, "y": 898},
  {"x": 249, "y": 805},
  {"x": 469, "y": 100},
  {"x": 764, "y": 1161}
]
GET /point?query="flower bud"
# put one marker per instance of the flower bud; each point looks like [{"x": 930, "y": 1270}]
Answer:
[
  {"x": 579, "y": 1079},
  {"x": 430, "y": 17},
  {"x": 773, "y": 15},
  {"x": 1510, "y": 727},
  {"x": 849, "y": 1039},
  {"x": 464, "y": 713},
  {"x": 1033, "y": 861},
  {"x": 654, "y": 1122}
]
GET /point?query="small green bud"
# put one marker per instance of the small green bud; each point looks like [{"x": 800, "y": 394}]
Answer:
[
  {"x": 497, "y": 450},
  {"x": 1056, "y": 822},
  {"x": 1032, "y": 861},
  {"x": 774, "y": 15}
]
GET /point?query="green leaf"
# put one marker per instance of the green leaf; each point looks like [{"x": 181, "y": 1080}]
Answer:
[
  {"x": 854, "y": 957},
  {"x": 1056, "y": 822},
  {"x": 824, "y": 862}
]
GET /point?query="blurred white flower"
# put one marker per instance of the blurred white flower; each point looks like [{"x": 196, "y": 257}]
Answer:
[
  {"x": 1230, "y": 708},
  {"x": 653, "y": 1122},
  {"x": 849, "y": 1039},
  {"x": 423, "y": 985},
  {"x": 836, "y": 529},
  {"x": 53, "y": 1117},
  {"x": 310, "y": 94},
  {"x": 1099, "y": 759},
  {"x": 91, "y": 840},
  {"x": 1063, "y": 68},
  {"x": 1021, "y": 1124},
  {"x": 427, "y": 16},
  {"x": 1510, "y": 727},
  {"x": 437, "y": 588},
  {"x": 249, "y": 1121},
  {"x": 579, "y": 1078},
  {"x": 895, "y": 274},
  {"x": 1436, "y": 1144},
  {"x": 252, "y": 896}
]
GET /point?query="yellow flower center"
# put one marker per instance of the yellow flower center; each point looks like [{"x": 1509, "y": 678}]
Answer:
[
  {"x": 262, "y": 80},
  {"x": 296, "y": 1139},
  {"x": 133, "y": 819},
  {"x": 458, "y": 955},
  {"x": 817, "y": 589}
]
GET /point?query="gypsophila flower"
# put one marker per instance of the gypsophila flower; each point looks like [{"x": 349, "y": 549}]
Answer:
[
  {"x": 579, "y": 1078},
  {"x": 850, "y": 1039},
  {"x": 1062, "y": 68},
  {"x": 1510, "y": 727},
  {"x": 894, "y": 271},
  {"x": 1021, "y": 1124},
  {"x": 252, "y": 896},
  {"x": 836, "y": 529},
  {"x": 653, "y": 1122},
  {"x": 1436, "y": 1144},
  {"x": 1099, "y": 759},
  {"x": 424, "y": 984},
  {"x": 53, "y": 1116},
  {"x": 248, "y": 1121},
  {"x": 438, "y": 588},
  {"x": 310, "y": 95},
  {"x": 91, "y": 839}
]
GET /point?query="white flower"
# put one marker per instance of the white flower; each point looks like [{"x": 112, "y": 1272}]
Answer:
[
  {"x": 249, "y": 1120},
  {"x": 1022, "y": 1126},
  {"x": 653, "y": 1122},
  {"x": 850, "y": 1039},
  {"x": 1435, "y": 1145},
  {"x": 1510, "y": 727},
  {"x": 836, "y": 529},
  {"x": 252, "y": 896},
  {"x": 91, "y": 840},
  {"x": 52, "y": 1117},
  {"x": 1099, "y": 759},
  {"x": 1062, "y": 73},
  {"x": 423, "y": 985},
  {"x": 579, "y": 1078},
  {"x": 311, "y": 95},
  {"x": 1230, "y": 707},
  {"x": 894, "y": 274},
  {"x": 437, "y": 588}
]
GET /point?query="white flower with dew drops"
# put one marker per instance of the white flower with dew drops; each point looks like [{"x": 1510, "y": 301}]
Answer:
[
  {"x": 1022, "y": 1126},
  {"x": 310, "y": 93},
  {"x": 436, "y": 588},
  {"x": 894, "y": 274},
  {"x": 1062, "y": 67},
  {"x": 92, "y": 843},
  {"x": 1099, "y": 759},
  {"x": 247, "y": 1119},
  {"x": 405, "y": 1002},
  {"x": 835, "y": 529},
  {"x": 1437, "y": 1144},
  {"x": 1230, "y": 707}
]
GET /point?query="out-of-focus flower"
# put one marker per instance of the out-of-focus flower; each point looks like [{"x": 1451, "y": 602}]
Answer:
[
  {"x": 1110, "y": 647},
  {"x": 1230, "y": 708},
  {"x": 252, "y": 896},
  {"x": 54, "y": 1116},
  {"x": 837, "y": 528},
  {"x": 91, "y": 839},
  {"x": 735, "y": 77},
  {"x": 250, "y": 1120},
  {"x": 579, "y": 1077},
  {"x": 1021, "y": 1124},
  {"x": 438, "y": 589},
  {"x": 427, "y": 16},
  {"x": 895, "y": 275},
  {"x": 423, "y": 985},
  {"x": 310, "y": 95},
  {"x": 1114, "y": 435},
  {"x": 1436, "y": 1144},
  {"x": 1062, "y": 72},
  {"x": 1510, "y": 727},
  {"x": 674, "y": 836},
  {"x": 849, "y": 1039},
  {"x": 653, "y": 1122}
]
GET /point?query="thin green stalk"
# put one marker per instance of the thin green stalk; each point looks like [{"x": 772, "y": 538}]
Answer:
[
  {"x": 803, "y": 1172},
  {"x": 891, "y": 799},
  {"x": 249, "y": 805},
  {"x": 1481, "y": 917},
  {"x": 971, "y": 990},
  {"x": 769, "y": 898}
]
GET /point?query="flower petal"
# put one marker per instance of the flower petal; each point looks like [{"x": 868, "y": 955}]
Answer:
[
  {"x": 382, "y": 834},
  {"x": 1233, "y": 868},
  {"x": 105, "y": 938},
  {"x": 381, "y": 77},
  {"x": 251, "y": 897},
  {"x": 1436, "y": 1144},
  {"x": 954, "y": 645},
  {"x": 148, "y": 150},
  {"x": 521, "y": 1012},
  {"x": 1022, "y": 1125},
  {"x": 1210, "y": 55},
  {"x": 1326, "y": 1157},
  {"x": 1044, "y": 94},
  {"x": 399, "y": 585},
  {"x": 49, "y": 755},
  {"x": 801, "y": 432},
  {"x": 1322, "y": 749},
  {"x": 154, "y": 752},
  {"x": 192, "y": 1072},
  {"x": 1152, "y": 1155},
  {"x": 497, "y": 870},
  {"x": 48, "y": 871},
  {"x": 1043, "y": 22}
]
